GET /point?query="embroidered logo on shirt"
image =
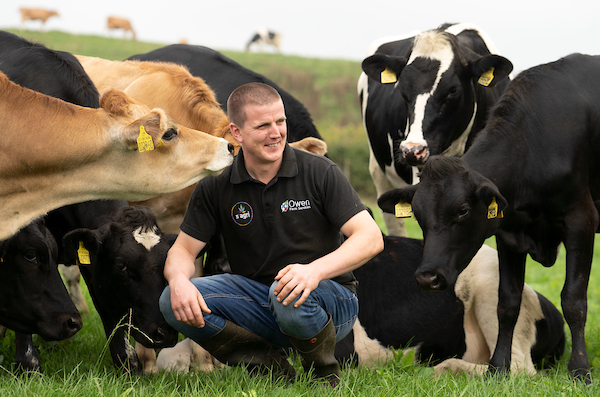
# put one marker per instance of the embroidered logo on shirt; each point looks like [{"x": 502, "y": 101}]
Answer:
[
  {"x": 295, "y": 205},
  {"x": 242, "y": 213}
]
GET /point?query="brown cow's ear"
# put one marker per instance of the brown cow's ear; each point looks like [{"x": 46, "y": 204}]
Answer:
[
  {"x": 383, "y": 68},
  {"x": 145, "y": 133},
  {"x": 116, "y": 102},
  {"x": 388, "y": 200},
  {"x": 312, "y": 145}
]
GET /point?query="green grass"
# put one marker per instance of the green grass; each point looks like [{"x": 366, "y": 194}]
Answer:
[{"x": 82, "y": 367}]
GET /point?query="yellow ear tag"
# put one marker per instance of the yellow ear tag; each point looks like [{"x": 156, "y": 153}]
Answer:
[
  {"x": 403, "y": 210},
  {"x": 144, "y": 141},
  {"x": 388, "y": 76},
  {"x": 83, "y": 255},
  {"x": 493, "y": 210},
  {"x": 486, "y": 78},
  {"x": 160, "y": 143}
]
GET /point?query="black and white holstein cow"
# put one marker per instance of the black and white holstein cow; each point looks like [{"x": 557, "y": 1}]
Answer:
[
  {"x": 455, "y": 329},
  {"x": 264, "y": 37},
  {"x": 33, "y": 297},
  {"x": 530, "y": 178},
  {"x": 122, "y": 263},
  {"x": 426, "y": 94}
]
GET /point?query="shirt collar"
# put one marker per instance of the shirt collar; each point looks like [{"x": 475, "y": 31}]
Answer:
[{"x": 288, "y": 169}]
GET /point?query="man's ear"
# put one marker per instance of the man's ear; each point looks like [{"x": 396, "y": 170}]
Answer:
[
  {"x": 235, "y": 132},
  {"x": 388, "y": 200}
]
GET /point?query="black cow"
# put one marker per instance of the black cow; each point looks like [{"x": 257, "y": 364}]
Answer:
[
  {"x": 122, "y": 263},
  {"x": 426, "y": 94},
  {"x": 33, "y": 297},
  {"x": 54, "y": 73},
  {"x": 398, "y": 314},
  {"x": 531, "y": 180},
  {"x": 224, "y": 75}
]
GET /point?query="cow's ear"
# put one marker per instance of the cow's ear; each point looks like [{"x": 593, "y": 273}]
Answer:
[
  {"x": 383, "y": 68},
  {"x": 490, "y": 70},
  {"x": 388, "y": 200},
  {"x": 145, "y": 133},
  {"x": 79, "y": 246},
  {"x": 492, "y": 198}
]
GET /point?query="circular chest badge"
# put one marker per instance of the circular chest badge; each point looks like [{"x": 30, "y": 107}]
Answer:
[{"x": 242, "y": 213}]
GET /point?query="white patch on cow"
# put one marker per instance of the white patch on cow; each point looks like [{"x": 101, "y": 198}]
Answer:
[
  {"x": 457, "y": 148},
  {"x": 147, "y": 238},
  {"x": 473, "y": 288},
  {"x": 370, "y": 351},
  {"x": 433, "y": 46},
  {"x": 461, "y": 27},
  {"x": 130, "y": 352},
  {"x": 31, "y": 357}
]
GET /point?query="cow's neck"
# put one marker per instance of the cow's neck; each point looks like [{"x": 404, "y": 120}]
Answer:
[{"x": 457, "y": 148}]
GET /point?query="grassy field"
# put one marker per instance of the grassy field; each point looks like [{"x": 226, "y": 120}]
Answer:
[{"x": 82, "y": 367}]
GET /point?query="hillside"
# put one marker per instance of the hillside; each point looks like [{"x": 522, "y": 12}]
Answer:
[{"x": 326, "y": 87}]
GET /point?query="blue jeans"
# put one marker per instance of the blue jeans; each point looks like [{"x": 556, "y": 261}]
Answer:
[{"x": 253, "y": 305}]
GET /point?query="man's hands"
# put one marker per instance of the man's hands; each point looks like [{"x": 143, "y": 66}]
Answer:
[
  {"x": 295, "y": 280},
  {"x": 187, "y": 303}
]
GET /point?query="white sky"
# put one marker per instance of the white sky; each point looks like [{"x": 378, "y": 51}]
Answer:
[{"x": 527, "y": 32}]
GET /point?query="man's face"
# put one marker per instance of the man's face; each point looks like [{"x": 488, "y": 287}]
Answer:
[{"x": 264, "y": 133}]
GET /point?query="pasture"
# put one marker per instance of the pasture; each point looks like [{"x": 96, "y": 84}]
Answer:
[{"x": 82, "y": 365}]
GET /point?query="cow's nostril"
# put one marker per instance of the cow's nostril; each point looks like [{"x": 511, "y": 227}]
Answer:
[
  {"x": 230, "y": 148},
  {"x": 431, "y": 281}
]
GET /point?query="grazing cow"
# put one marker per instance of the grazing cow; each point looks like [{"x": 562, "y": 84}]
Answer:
[
  {"x": 36, "y": 14},
  {"x": 531, "y": 180},
  {"x": 33, "y": 297},
  {"x": 92, "y": 153},
  {"x": 456, "y": 328},
  {"x": 122, "y": 263},
  {"x": 423, "y": 95},
  {"x": 223, "y": 75},
  {"x": 264, "y": 37},
  {"x": 113, "y": 23}
]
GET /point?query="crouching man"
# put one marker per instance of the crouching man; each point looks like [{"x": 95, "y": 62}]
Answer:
[{"x": 281, "y": 212}]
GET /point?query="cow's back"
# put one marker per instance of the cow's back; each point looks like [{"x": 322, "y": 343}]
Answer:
[{"x": 224, "y": 75}]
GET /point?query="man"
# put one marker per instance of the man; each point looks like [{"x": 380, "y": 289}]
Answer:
[{"x": 280, "y": 211}]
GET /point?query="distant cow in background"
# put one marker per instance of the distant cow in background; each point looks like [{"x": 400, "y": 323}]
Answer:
[
  {"x": 36, "y": 14},
  {"x": 264, "y": 37},
  {"x": 113, "y": 23}
]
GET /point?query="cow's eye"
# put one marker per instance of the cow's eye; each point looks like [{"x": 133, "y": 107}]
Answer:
[
  {"x": 120, "y": 265},
  {"x": 463, "y": 211},
  {"x": 452, "y": 92},
  {"x": 169, "y": 134},
  {"x": 31, "y": 256}
]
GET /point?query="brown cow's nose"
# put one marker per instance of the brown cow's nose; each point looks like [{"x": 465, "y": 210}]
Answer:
[{"x": 230, "y": 148}]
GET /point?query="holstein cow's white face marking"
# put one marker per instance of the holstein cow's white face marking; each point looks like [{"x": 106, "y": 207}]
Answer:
[
  {"x": 431, "y": 46},
  {"x": 146, "y": 237}
]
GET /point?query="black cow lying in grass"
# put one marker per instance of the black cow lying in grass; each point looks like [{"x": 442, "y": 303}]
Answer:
[{"x": 455, "y": 329}]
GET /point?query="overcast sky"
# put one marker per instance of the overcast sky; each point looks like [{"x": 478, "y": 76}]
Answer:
[{"x": 527, "y": 32}]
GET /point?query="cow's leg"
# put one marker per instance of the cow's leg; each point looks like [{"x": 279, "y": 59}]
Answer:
[
  {"x": 26, "y": 356},
  {"x": 510, "y": 290},
  {"x": 147, "y": 358},
  {"x": 394, "y": 226},
  {"x": 579, "y": 244}
]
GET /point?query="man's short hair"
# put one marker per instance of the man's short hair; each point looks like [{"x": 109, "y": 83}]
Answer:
[{"x": 249, "y": 94}]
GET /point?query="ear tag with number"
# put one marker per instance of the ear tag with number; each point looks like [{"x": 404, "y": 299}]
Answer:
[
  {"x": 403, "y": 210},
  {"x": 493, "y": 212},
  {"x": 388, "y": 76},
  {"x": 486, "y": 78},
  {"x": 144, "y": 141},
  {"x": 83, "y": 255}
]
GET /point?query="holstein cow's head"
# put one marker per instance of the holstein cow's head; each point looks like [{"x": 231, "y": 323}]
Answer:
[
  {"x": 33, "y": 297},
  {"x": 122, "y": 263},
  {"x": 457, "y": 209},
  {"x": 438, "y": 80}
]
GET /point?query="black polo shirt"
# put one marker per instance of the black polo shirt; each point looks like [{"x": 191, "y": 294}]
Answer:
[{"x": 295, "y": 218}]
